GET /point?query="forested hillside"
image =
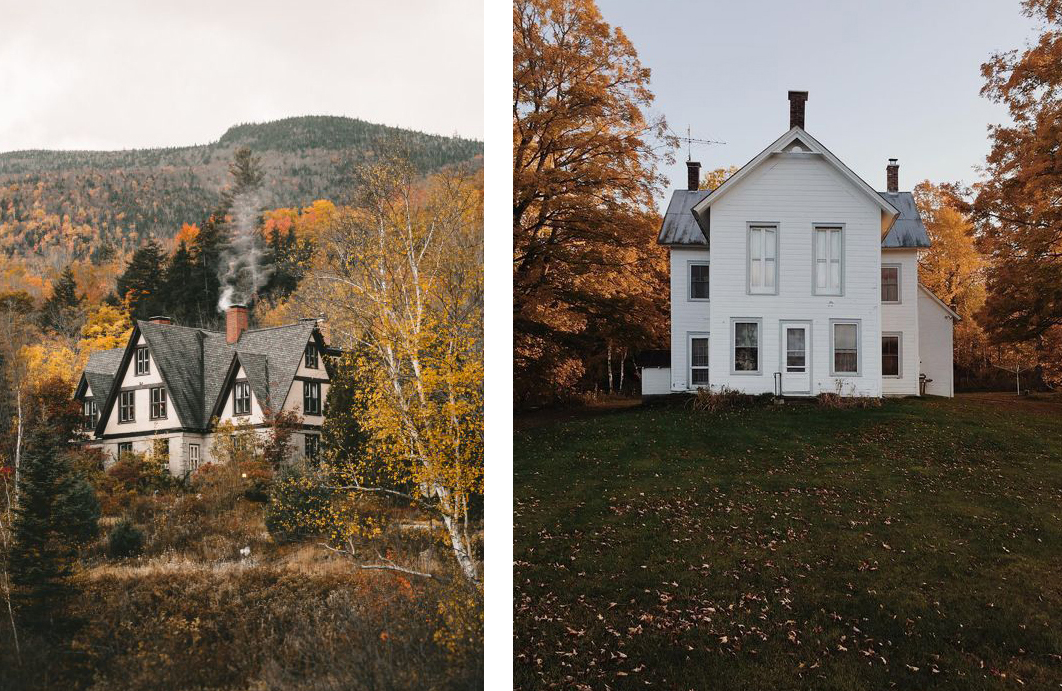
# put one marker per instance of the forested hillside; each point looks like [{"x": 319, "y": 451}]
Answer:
[{"x": 59, "y": 206}]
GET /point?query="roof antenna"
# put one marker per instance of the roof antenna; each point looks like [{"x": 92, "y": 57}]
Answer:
[{"x": 691, "y": 140}]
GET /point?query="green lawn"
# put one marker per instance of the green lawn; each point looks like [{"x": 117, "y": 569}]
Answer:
[{"x": 916, "y": 545}]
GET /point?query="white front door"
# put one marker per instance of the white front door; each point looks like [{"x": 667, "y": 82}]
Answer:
[{"x": 796, "y": 358}]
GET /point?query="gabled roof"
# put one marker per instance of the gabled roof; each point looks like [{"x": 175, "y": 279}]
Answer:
[
  {"x": 907, "y": 230},
  {"x": 197, "y": 365},
  {"x": 100, "y": 371},
  {"x": 940, "y": 302}
]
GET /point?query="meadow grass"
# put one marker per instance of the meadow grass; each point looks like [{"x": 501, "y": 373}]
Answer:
[{"x": 915, "y": 545}]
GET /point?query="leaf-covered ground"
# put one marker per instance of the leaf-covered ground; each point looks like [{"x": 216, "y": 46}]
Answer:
[{"x": 916, "y": 545}]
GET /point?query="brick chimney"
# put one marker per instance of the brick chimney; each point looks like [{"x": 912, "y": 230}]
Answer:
[
  {"x": 235, "y": 323},
  {"x": 693, "y": 175},
  {"x": 892, "y": 176},
  {"x": 160, "y": 319},
  {"x": 796, "y": 108}
]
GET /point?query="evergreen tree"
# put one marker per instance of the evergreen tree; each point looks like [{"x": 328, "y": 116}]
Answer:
[
  {"x": 61, "y": 312},
  {"x": 180, "y": 291},
  {"x": 141, "y": 286},
  {"x": 204, "y": 287}
]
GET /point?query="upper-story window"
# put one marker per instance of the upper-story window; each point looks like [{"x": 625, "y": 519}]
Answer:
[
  {"x": 311, "y": 397},
  {"x": 158, "y": 403},
  {"x": 890, "y": 283},
  {"x": 143, "y": 361},
  {"x": 763, "y": 259},
  {"x": 90, "y": 414},
  {"x": 311, "y": 356},
  {"x": 241, "y": 404},
  {"x": 127, "y": 406},
  {"x": 698, "y": 280},
  {"x": 829, "y": 261}
]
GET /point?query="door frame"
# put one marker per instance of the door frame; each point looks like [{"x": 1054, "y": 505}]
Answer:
[{"x": 808, "y": 350}]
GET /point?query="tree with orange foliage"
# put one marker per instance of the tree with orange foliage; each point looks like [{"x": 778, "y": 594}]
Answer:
[{"x": 587, "y": 274}]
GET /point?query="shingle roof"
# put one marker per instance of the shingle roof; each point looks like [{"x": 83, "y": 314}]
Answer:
[
  {"x": 907, "y": 230},
  {"x": 679, "y": 226},
  {"x": 100, "y": 370}
]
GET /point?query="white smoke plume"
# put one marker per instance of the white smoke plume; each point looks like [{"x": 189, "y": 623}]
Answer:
[{"x": 243, "y": 267}]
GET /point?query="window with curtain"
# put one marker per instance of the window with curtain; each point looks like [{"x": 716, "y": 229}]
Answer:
[
  {"x": 746, "y": 346},
  {"x": 829, "y": 261},
  {"x": 890, "y": 284},
  {"x": 846, "y": 348},
  {"x": 763, "y": 262}
]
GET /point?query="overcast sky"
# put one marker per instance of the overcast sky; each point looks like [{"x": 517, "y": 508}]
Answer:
[
  {"x": 898, "y": 79},
  {"x": 125, "y": 74}
]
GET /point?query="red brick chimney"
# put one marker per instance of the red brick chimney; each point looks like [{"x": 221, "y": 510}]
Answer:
[
  {"x": 235, "y": 323},
  {"x": 160, "y": 319},
  {"x": 693, "y": 175},
  {"x": 796, "y": 108},
  {"x": 892, "y": 176}
]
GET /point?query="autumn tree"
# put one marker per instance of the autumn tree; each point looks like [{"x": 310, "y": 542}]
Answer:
[
  {"x": 1016, "y": 206},
  {"x": 587, "y": 275},
  {"x": 400, "y": 280},
  {"x": 61, "y": 312},
  {"x": 717, "y": 176}
]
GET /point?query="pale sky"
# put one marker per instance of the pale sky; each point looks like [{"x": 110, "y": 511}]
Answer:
[
  {"x": 898, "y": 79},
  {"x": 116, "y": 74}
]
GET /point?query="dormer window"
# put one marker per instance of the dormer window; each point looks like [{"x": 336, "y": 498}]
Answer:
[
  {"x": 143, "y": 361},
  {"x": 241, "y": 404},
  {"x": 311, "y": 356}
]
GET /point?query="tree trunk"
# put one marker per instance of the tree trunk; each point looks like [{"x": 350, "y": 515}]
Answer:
[
  {"x": 18, "y": 439},
  {"x": 622, "y": 366},
  {"x": 610, "y": 368},
  {"x": 460, "y": 543}
]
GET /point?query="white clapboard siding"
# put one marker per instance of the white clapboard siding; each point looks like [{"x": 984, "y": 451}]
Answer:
[
  {"x": 935, "y": 327},
  {"x": 903, "y": 319},
  {"x": 687, "y": 316}
]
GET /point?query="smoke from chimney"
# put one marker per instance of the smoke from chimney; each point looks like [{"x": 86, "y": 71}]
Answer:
[{"x": 243, "y": 266}]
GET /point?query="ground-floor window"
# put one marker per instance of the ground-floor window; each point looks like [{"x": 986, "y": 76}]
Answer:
[
  {"x": 160, "y": 450},
  {"x": 699, "y": 360},
  {"x": 124, "y": 447},
  {"x": 890, "y": 355},
  {"x": 844, "y": 344},
  {"x": 193, "y": 457},
  {"x": 746, "y": 347},
  {"x": 311, "y": 447}
]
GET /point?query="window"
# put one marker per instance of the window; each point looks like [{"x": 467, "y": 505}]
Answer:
[
  {"x": 124, "y": 448},
  {"x": 829, "y": 261},
  {"x": 143, "y": 361},
  {"x": 698, "y": 361},
  {"x": 746, "y": 347},
  {"x": 890, "y": 283},
  {"x": 90, "y": 414},
  {"x": 890, "y": 355},
  {"x": 311, "y": 397},
  {"x": 127, "y": 406},
  {"x": 241, "y": 398},
  {"x": 699, "y": 281},
  {"x": 763, "y": 262},
  {"x": 311, "y": 356},
  {"x": 845, "y": 346},
  {"x": 160, "y": 449},
  {"x": 158, "y": 403},
  {"x": 796, "y": 352},
  {"x": 311, "y": 447},
  {"x": 193, "y": 457}
]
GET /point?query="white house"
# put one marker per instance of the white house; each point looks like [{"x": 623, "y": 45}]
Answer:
[
  {"x": 796, "y": 277},
  {"x": 164, "y": 391}
]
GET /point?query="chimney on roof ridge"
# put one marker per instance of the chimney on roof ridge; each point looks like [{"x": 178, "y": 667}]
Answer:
[
  {"x": 892, "y": 176},
  {"x": 235, "y": 322},
  {"x": 693, "y": 175},
  {"x": 797, "y": 99},
  {"x": 160, "y": 319}
]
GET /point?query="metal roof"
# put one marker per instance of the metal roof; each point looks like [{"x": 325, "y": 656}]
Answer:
[
  {"x": 907, "y": 230},
  {"x": 680, "y": 227}
]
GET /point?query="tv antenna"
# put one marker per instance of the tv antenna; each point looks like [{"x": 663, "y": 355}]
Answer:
[{"x": 691, "y": 140}]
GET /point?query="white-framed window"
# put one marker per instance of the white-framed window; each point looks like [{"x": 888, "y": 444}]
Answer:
[
  {"x": 890, "y": 284},
  {"x": 193, "y": 457},
  {"x": 892, "y": 355},
  {"x": 311, "y": 397},
  {"x": 762, "y": 258},
  {"x": 745, "y": 345},
  {"x": 845, "y": 358},
  {"x": 127, "y": 406},
  {"x": 143, "y": 361},
  {"x": 698, "y": 280},
  {"x": 828, "y": 247},
  {"x": 90, "y": 414},
  {"x": 124, "y": 447},
  {"x": 158, "y": 403},
  {"x": 796, "y": 349},
  {"x": 311, "y": 356},
  {"x": 241, "y": 401},
  {"x": 698, "y": 344}
]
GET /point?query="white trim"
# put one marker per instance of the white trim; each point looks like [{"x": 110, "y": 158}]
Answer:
[
  {"x": 690, "y": 335},
  {"x": 940, "y": 302},
  {"x": 898, "y": 335},
  {"x": 809, "y": 361},
  {"x": 899, "y": 284},
  {"x": 690, "y": 263},
  {"x": 815, "y": 228},
  {"x": 759, "y": 346},
  {"x": 859, "y": 348},
  {"x": 762, "y": 225}
]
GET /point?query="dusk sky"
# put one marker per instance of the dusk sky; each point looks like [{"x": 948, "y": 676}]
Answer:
[
  {"x": 887, "y": 80},
  {"x": 122, "y": 73}
]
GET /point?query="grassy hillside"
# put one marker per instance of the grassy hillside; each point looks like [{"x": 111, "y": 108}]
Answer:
[
  {"x": 916, "y": 545},
  {"x": 88, "y": 204}
]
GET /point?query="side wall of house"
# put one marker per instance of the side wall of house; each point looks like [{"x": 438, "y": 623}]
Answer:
[
  {"x": 935, "y": 335},
  {"x": 796, "y": 191},
  {"x": 902, "y": 318},
  {"x": 687, "y": 316}
]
